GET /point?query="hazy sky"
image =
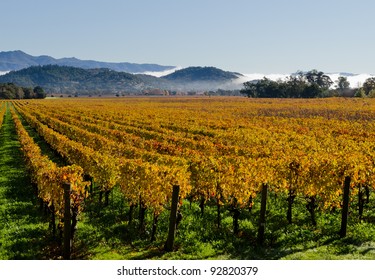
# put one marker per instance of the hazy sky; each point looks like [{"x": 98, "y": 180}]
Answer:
[{"x": 248, "y": 36}]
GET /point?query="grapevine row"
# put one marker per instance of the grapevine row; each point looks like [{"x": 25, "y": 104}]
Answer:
[
  {"x": 135, "y": 177},
  {"x": 47, "y": 176},
  {"x": 307, "y": 156}
]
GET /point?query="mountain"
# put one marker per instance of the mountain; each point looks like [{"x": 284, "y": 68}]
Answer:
[
  {"x": 201, "y": 74},
  {"x": 66, "y": 79},
  {"x": 72, "y": 80},
  {"x": 17, "y": 60},
  {"x": 203, "y": 78}
]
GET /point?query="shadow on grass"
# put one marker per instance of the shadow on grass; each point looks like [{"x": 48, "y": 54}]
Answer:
[{"x": 45, "y": 148}]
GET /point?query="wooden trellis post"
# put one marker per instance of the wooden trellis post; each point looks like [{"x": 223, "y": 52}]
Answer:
[
  {"x": 345, "y": 207},
  {"x": 67, "y": 223},
  {"x": 262, "y": 219},
  {"x": 172, "y": 220}
]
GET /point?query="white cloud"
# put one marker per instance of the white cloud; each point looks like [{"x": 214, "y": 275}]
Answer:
[
  {"x": 355, "y": 80},
  {"x": 162, "y": 73},
  {"x": 259, "y": 76},
  {"x": 3, "y": 72}
]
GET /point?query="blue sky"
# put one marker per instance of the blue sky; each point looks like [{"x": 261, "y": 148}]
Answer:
[{"x": 252, "y": 36}]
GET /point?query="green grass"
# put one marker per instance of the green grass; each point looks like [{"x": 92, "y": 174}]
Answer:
[
  {"x": 104, "y": 232},
  {"x": 23, "y": 230}
]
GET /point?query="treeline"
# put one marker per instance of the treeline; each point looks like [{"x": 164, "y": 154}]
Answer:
[
  {"x": 305, "y": 85},
  {"x": 12, "y": 91}
]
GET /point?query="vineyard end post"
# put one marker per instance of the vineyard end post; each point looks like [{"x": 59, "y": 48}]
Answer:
[
  {"x": 67, "y": 223},
  {"x": 262, "y": 219},
  {"x": 172, "y": 219},
  {"x": 345, "y": 207}
]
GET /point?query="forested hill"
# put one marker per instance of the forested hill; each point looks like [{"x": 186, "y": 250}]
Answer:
[
  {"x": 65, "y": 79},
  {"x": 208, "y": 74},
  {"x": 72, "y": 80}
]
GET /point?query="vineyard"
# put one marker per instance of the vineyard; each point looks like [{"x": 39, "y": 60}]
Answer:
[{"x": 230, "y": 177}]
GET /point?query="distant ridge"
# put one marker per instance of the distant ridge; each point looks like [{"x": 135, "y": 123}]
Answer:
[
  {"x": 68, "y": 79},
  {"x": 106, "y": 78},
  {"x": 196, "y": 74},
  {"x": 203, "y": 78},
  {"x": 17, "y": 60}
]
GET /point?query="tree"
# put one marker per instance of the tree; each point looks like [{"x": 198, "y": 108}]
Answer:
[
  {"x": 7, "y": 91},
  {"x": 250, "y": 89},
  {"x": 342, "y": 83},
  {"x": 319, "y": 78},
  {"x": 360, "y": 93},
  {"x": 312, "y": 84},
  {"x": 371, "y": 94},
  {"x": 342, "y": 87},
  {"x": 295, "y": 85},
  {"x": 11, "y": 91},
  {"x": 265, "y": 88},
  {"x": 311, "y": 91},
  {"x": 39, "y": 92},
  {"x": 28, "y": 93},
  {"x": 369, "y": 85},
  {"x": 19, "y": 93}
]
